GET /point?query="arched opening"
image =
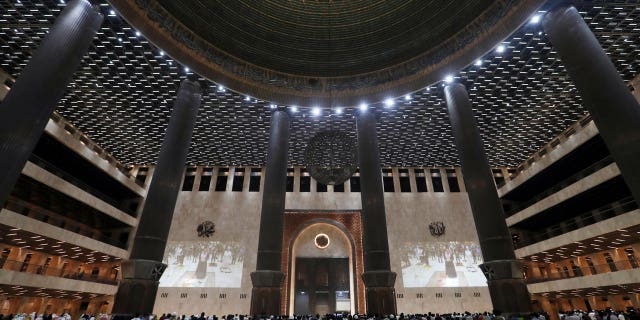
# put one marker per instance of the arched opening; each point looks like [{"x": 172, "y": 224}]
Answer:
[{"x": 321, "y": 270}]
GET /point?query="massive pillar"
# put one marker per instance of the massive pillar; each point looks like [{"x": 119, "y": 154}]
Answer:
[
  {"x": 504, "y": 276},
  {"x": 615, "y": 111},
  {"x": 141, "y": 273},
  {"x": 32, "y": 99},
  {"x": 267, "y": 279},
  {"x": 378, "y": 279}
]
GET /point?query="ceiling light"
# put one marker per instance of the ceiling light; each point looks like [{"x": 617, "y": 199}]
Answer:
[
  {"x": 478, "y": 62},
  {"x": 315, "y": 111},
  {"x": 407, "y": 97},
  {"x": 501, "y": 48},
  {"x": 339, "y": 110},
  {"x": 535, "y": 19},
  {"x": 448, "y": 79},
  {"x": 186, "y": 69},
  {"x": 294, "y": 109},
  {"x": 388, "y": 102},
  {"x": 363, "y": 106}
]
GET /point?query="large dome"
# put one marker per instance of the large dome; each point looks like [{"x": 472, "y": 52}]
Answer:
[{"x": 325, "y": 52}]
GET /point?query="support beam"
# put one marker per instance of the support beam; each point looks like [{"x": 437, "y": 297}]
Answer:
[
  {"x": 29, "y": 104},
  {"x": 614, "y": 109},
  {"x": 268, "y": 277},
  {"x": 378, "y": 279},
  {"x": 504, "y": 276},
  {"x": 142, "y": 272}
]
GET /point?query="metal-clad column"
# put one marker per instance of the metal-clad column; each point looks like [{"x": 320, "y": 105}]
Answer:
[
  {"x": 141, "y": 273},
  {"x": 30, "y": 102},
  {"x": 508, "y": 291},
  {"x": 267, "y": 279},
  {"x": 612, "y": 106},
  {"x": 378, "y": 279}
]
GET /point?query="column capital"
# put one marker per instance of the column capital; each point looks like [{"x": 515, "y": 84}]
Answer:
[
  {"x": 502, "y": 269},
  {"x": 141, "y": 269},
  {"x": 267, "y": 279},
  {"x": 379, "y": 278}
]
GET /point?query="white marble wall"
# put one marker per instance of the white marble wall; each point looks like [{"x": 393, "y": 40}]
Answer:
[
  {"x": 237, "y": 217},
  {"x": 408, "y": 218}
]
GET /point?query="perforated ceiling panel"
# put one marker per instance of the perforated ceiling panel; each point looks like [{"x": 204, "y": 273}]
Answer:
[{"x": 122, "y": 95}]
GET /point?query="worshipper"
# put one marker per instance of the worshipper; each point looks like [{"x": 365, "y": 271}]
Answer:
[
  {"x": 573, "y": 316},
  {"x": 610, "y": 315}
]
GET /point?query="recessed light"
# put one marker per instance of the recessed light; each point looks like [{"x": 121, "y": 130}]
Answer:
[
  {"x": 535, "y": 19},
  {"x": 388, "y": 102}
]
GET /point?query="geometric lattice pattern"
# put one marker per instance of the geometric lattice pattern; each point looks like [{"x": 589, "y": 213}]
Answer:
[{"x": 122, "y": 95}]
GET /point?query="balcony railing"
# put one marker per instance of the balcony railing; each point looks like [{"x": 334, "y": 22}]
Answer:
[
  {"x": 78, "y": 183},
  {"x": 561, "y": 185},
  {"x": 44, "y": 270},
  {"x": 84, "y": 139},
  {"x": 37, "y": 213},
  {"x": 550, "y": 146},
  {"x": 580, "y": 221},
  {"x": 576, "y": 271}
]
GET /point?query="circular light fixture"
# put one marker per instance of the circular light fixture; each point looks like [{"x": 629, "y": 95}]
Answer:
[
  {"x": 331, "y": 157},
  {"x": 321, "y": 241}
]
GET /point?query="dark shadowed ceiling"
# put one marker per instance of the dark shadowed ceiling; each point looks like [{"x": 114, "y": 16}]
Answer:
[
  {"x": 325, "y": 38},
  {"x": 122, "y": 94}
]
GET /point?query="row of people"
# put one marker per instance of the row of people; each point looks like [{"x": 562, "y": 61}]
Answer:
[{"x": 608, "y": 314}]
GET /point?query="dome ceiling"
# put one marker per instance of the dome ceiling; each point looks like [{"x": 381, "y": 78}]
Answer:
[
  {"x": 325, "y": 52},
  {"x": 122, "y": 94}
]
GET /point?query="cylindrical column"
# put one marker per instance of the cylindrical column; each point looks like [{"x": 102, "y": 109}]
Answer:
[
  {"x": 141, "y": 273},
  {"x": 378, "y": 279},
  {"x": 30, "y": 102},
  {"x": 506, "y": 284},
  {"x": 612, "y": 106},
  {"x": 268, "y": 277}
]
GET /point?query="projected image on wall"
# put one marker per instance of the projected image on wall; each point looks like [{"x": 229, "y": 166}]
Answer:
[
  {"x": 442, "y": 264},
  {"x": 203, "y": 264}
]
